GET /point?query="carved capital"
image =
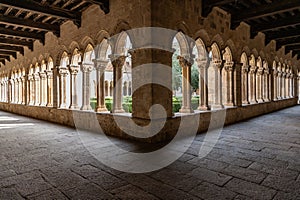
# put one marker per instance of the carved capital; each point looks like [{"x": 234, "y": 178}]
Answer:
[
  {"x": 43, "y": 75},
  {"x": 217, "y": 64},
  {"x": 117, "y": 61},
  {"x": 87, "y": 68},
  {"x": 253, "y": 69},
  {"x": 184, "y": 62},
  {"x": 228, "y": 66},
  {"x": 49, "y": 74},
  {"x": 74, "y": 69},
  {"x": 101, "y": 64}
]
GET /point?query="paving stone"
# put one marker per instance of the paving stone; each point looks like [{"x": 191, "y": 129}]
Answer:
[
  {"x": 53, "y": 194},
  {"x": 246, "y": 174},
  {"x": 88, "y": 191},
  {"x": 32, "y": 186},
  {"x": 250, "y": 189},
  {"x": 287, "y": 196},
  {"x": 10, "y": 194},
  {"x": 132, "y": 192},
  {"x": 208, "y": 164},
  {"x": 210, "y": 191},
  {"x": 107, "y": 181},
  {"x": 281, "y": 183},
  {"x": 7, "y": 173},
  {"x": 210, "y": 176},
  {"x": 274, "y": 170}
]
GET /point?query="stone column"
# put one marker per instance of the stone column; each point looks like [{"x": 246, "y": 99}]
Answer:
[
  {"x": 49, "y": 88},
  {"x": 43, "y": 83},
  {"x": 16, "y": 90},
  {"x": 275, "y": 85},
  {"x": 245, "y": 85},
  {"x": 20, "y": 90},
  {"x": 283, "y": 85},
  {"x": 31, "y": 90},
  {"x": 266, "y": 96},
  {"x": 252, "y": 85},
  {"x": 117, "y": 62},
  {"x": 298, "y": 88},
  {"x": 9, "y": 91},
  {"x": 217, "y": 104},
  {"x": 86, "y": 72},
  {"x": 238, "y": 84},
  {"x": 37, "y": 89},
  {"x": 23, "y": 81},
  {"x": 228, "y": 66},
  {"x": 203, "y": 84},
  {"x": 63, "y": 73},
  {"x": 100, "y": 66},
  {"x": 279, "y": 85},
  {"x": 186, "y": 84},
  {"x": 73, "y": 91},
  {"x": 259, "y": 86}
]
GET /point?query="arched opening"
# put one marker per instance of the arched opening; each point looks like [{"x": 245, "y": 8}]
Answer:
[
  {"x": 122, "y": 67},
  {"x": 49, "y": 73},
  {"x": 64, "y": 82},
  {"x": 76, "y": 80},
  {"x": 227, "y": 78},
  {"x": 252, "y": 79},
  {"x": 244, "y": 78}
]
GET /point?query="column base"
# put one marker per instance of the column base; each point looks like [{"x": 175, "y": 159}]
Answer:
[
  {"x": 245, "y": 102},
  {"x": 260, "y": 101},
  {"x": 101, "y": 109},
  {"x": 86, "y": 107},
  {"x": 63, "y": 106},
  {"x": 229, "y": 104},
  {"x": 74, "y": 107},
  {"x": 203, "y": 108},
  {"x": 267, "y": 100},
  {"x": 186, "y": 110},
  {"x": 49, "y": 105},
  {"x": 118, "y": 111},
  {"x": 217, "y": 107},
  {"x": 253, "y": 102},
  {"x": 42, "y": 104}
]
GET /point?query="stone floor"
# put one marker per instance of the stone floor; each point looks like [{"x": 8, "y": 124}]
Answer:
[{"x": 255, "y": 159}]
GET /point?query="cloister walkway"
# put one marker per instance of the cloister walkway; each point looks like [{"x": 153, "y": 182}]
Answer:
[{"x": 254, "y": 159}]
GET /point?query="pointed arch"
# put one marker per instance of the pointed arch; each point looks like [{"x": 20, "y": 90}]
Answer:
[{"x": 219, "y": 41}]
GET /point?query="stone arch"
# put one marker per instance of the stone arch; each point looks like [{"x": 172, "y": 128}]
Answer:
[
  {"x": 101, "y": 35},
  {"x": 86, "y": 41},
  {"x": 101, "y": 49},
  {"x": 252, "y": 60},
  {"x": 201, "y": 49},
  {"x": 64, "y": 59},
  {"x": 246, "y": 50},
  {"x": 183, "y": 27},
  {"x": 230, "y": 44},
  {"x": 63, "y": 50},
  {"x": 218, "y": 40},
  {"x": 120, "y": 27},
  {"x": 76, "y": 57},
  {"x": 227, "y": 55},
  {"x": 204, "y": 36},
  {"x": 262, "y": 55},
  {"x": 120, "y": 43},
  {"x": 215, "y": 52},
  {"x": 74, "y": 45},
  {"x": 50, "y": 63},
  {"x": 259, "y": 62},
  {"x": 89, "y": 54},
  {"x": 183, "y": 44},
  {"x": 255, "y": 52}
]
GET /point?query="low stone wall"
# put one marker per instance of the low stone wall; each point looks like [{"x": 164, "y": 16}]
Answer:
[{"x": 120, "y": 124}]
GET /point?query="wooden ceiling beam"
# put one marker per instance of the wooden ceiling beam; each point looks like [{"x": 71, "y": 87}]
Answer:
[
  {"x": 33, "y": 6},
  {"x": 104, "y": 4},
  {"x": 25, "y": 23},
  {"x": 283, "y": 34},
  {"x": 22, "y": 34},
  {"x": 8, "y": 53},
  {"x": 273, "y": 8},
  {"x": 16, "y": 42},
  {"x": 5, "y": 58},
  {"x": 275, "y": 25},
  {"x": 12, "y": 48},
  {"x": 288, "y": 42},
  {"x": 292, "y": 47}
]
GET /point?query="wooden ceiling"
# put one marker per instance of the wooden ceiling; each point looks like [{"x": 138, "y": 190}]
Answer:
[
  {"x": 278, "y": 19},
  {"x": 24, "y": 21}
]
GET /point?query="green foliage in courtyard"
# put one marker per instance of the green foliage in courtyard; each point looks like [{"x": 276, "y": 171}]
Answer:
[{"x": 127, "y": 103}]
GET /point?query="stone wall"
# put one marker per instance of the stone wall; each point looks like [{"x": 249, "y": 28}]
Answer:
[{"x": 106, "y": 123}]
